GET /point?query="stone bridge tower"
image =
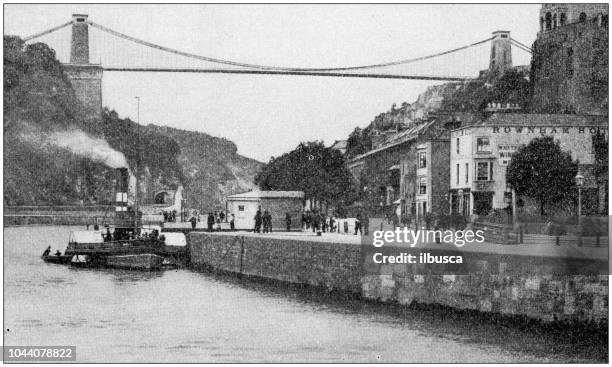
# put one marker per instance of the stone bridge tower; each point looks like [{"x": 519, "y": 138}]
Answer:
[
  {"x": 86, "y": 78},
  {"x": 501, "y": 54}
]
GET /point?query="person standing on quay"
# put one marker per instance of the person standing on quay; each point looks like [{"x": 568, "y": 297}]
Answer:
[
  {"x": 316, "y": 222},
  {"x": 232, "y": 226},
  {"x": 264, "y": 221},
  {"x": 288, "y": 221},
  {"x": 358, "y": 224},
  {"x": 257, "y": 221},
  {"x": 193, "y": 221},
  {"x": 210, "y": 222},
  {"x": 267, "y": 222}
]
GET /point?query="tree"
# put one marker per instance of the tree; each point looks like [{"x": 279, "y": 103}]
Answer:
[
  {"x": 511, "y": 88},
  {"x": 541, "y": 170},
  {"x": 318, "y": 171}
]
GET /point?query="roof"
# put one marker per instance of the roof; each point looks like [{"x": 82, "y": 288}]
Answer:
[
  {"x": 534, "y": 119},
  {"x": 399, "y": 138},
  {"x": 339, "y": 144},
  {"x": 268, "y": 195}
]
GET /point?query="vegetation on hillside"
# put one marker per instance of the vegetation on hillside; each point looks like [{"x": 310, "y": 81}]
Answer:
[
  {"x": 40, "y": 102},
  {"x": 469, "y": 97}
]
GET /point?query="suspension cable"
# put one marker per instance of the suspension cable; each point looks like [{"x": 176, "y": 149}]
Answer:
[
  {"x": 522, "y": 48},
  {"x": 518, "y": 43},
  {"x": 279, "y": 68},
  {"x": 37, "y": 35}
]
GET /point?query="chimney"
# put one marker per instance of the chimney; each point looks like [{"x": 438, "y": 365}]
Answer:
[
  {"x": 79, "y": 45},
  {"x": 501, "y": 54},
  {"x": 121, "y": 189}
]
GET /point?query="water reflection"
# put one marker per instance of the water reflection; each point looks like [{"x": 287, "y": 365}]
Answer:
[{"x": 182, "y": 316}]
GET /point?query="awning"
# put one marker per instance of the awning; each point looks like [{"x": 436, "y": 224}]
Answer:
[{"x": 394, "y": 167}]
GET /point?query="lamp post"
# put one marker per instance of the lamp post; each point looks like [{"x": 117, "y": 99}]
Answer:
[
  {"x": 137, "y": 156},
  {"x": 579, "y": 183}
]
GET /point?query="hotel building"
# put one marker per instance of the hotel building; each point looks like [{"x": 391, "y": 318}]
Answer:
[{"x": 481, "y": 150}]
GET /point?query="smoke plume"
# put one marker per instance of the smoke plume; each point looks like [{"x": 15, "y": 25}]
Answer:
[{"x": 84, "y": 145}]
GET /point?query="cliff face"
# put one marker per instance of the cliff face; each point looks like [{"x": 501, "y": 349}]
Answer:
[
  {"x": 55, "y": 155},
  {"x": 211, "y": 167}
]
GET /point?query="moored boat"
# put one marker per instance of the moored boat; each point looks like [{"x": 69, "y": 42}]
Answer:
[
  {"x": 135, "y": 262},
  {"x": 56, "y": 259},
  {"x": 126, "y": 245}
]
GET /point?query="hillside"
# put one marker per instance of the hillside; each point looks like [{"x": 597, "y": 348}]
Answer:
[
  {"x": 211, "y": 166},
  {"x": 54, "y": 155},
  {"x": 468, "y": 97}
]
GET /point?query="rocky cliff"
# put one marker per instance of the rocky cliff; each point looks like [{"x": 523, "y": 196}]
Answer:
[{"x": 55, "y": 155}]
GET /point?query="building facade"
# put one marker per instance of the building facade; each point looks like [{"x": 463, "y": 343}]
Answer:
[
  {"x": 570, "y": 59},
  {"x": 278, "y": 203},
  {"x": 431, "y": 181},
  {"x": 481, "y": 151}
]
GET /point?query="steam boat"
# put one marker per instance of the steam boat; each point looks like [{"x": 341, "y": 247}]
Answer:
[{"x": 129, "y": 245}]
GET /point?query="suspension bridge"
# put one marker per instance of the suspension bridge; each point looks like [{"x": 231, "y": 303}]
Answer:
[{"x": 83, "y": 42}]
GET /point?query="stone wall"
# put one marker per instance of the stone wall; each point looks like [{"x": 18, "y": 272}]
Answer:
[
  {"x": 570, "y": 69},
  {"x": 279, "y": 207},
  {"x": 539, "y": 287},
  {"x": 332, "y": 266},
  {"x": 86, "y": 80},
  {"x": 58, "y": 215},
  {"x": 542, "y": 288}
]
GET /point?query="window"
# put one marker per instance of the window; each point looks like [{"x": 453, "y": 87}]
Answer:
[
  {"x": 422, "y": 185},
  {"x": 457, "y": 174},
  {"x": 240, "y": 208},
  {"x": 467, "y": 172},
  {"x": 80, "y": 20},
  {"x": 562, "y": 19},
  {"x": 482, "y": 145},
  {"x": 582, "y": 17},
  {"x": 457, "y": 145},
  {"x": 555, "y": 21},
  {"x": 548, "y": 21},
  {"x": 483, "y": 171},
  {"x": 422, "y": 159}
]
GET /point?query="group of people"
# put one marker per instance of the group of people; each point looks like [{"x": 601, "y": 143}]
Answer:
[
  {"x": 126, "y": 234},
  {"x": 264, "y": 220},
  {"x": 215, "y": 219},
  {"x": 169, "y": 216},
  {"x": 320, "y": 222}
]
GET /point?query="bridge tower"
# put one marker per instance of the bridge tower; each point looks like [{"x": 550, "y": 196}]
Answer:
[
  {"x": 501, "y": 54},
  {"x": 86, "y": 78}
]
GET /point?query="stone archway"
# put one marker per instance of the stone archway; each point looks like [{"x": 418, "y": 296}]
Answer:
[{"x": 162, "y": 197}]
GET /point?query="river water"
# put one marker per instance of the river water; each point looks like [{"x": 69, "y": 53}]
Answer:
[{"x": 185, "y": 316}]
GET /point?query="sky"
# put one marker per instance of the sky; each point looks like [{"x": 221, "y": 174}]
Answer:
[{"x": 268, "y": 115}]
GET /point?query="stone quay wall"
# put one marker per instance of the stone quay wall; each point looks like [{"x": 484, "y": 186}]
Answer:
[
  {"x": 328, "y": 265},
  {"x": 543, "y": 288},
  {"x": 58, "y": 215}
]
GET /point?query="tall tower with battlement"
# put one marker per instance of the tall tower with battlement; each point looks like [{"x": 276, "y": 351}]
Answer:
[
  {"x": 86, "y": 78},
  {"x": 501, "y": 54},
  {"x": 570, "y": 59}
]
